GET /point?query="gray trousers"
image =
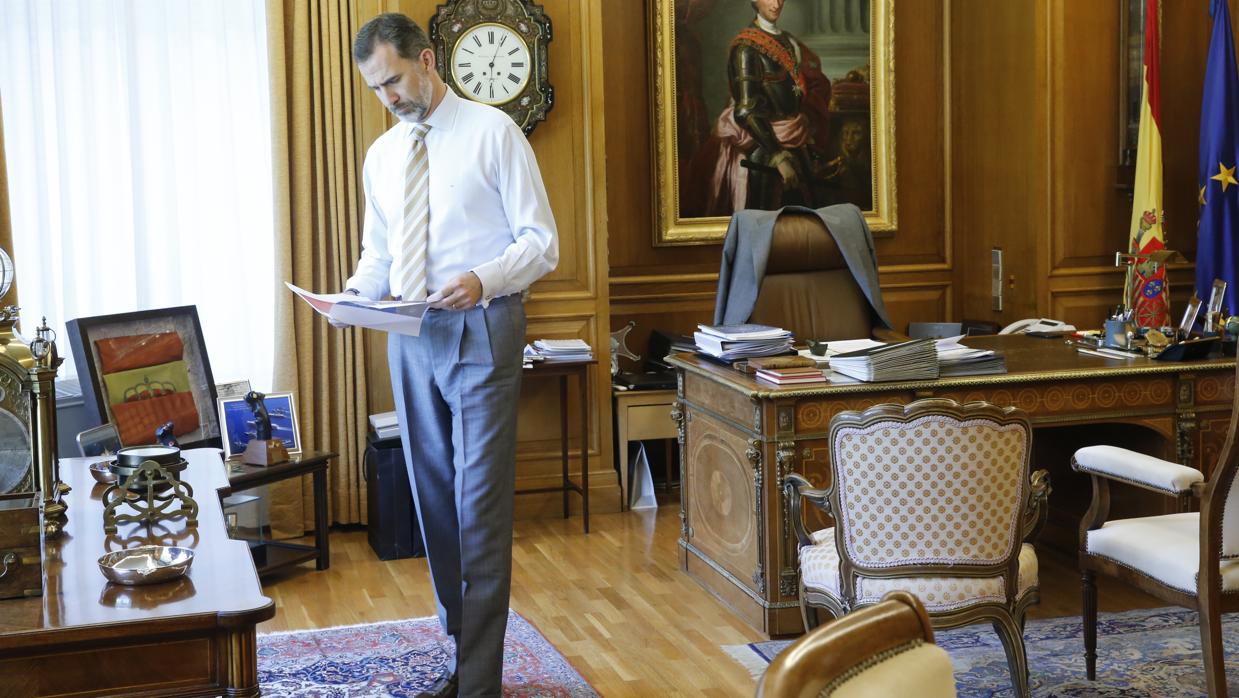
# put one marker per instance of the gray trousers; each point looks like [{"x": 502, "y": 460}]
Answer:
[{"x": 456, "y": 388}]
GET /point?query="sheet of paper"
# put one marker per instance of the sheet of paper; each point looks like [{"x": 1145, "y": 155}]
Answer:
[{"x": 400, "y": 317}]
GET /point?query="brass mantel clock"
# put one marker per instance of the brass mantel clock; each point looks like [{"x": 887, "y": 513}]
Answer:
[
  {"x": 494, "y": 52},
  {"x": 28, "y": 415}
]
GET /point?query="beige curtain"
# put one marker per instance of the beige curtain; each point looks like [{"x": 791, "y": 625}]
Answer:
[
  {"x": 318, "y": 231},
  {"x": 6, "y": 231}
]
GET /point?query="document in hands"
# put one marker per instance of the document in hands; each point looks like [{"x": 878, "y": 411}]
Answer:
[{"x": 400, "y": 317}]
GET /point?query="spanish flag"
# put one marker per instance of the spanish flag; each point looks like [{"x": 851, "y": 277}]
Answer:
[{"x": 1147, "y": 290}]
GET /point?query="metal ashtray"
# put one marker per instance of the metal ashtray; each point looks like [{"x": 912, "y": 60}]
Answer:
[
  {"x": 101, "y": 471},
  {"x": 147, "y": 564}
]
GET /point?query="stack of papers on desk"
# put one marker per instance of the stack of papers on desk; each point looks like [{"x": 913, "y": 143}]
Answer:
[
  {"x": 731, "y": 342},
  {"x": 955, "y": 359},
  {"x": 914, "y": 360},
  {"x": 562, "y": 350}
]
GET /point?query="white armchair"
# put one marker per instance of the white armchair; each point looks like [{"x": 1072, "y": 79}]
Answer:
[
  {"x": 1190, "y": 559},
  {"x": 933, "y": 498}
]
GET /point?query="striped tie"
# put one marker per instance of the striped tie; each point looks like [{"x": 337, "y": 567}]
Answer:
[{"x": 415, "y": 226}]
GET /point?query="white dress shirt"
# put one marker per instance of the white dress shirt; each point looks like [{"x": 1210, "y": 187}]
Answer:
[{"x": 489, "y": 213}]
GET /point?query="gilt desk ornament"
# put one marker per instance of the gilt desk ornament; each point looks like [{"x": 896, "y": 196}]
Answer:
[
  {"x": 1140, "y": 280},
  {"x": 262, "y": 449},
  {"x": 28, "y": 462},
  {"x": 148, "y": 482}
]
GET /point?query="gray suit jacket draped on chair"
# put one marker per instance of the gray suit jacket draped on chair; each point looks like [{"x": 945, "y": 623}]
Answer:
[{"x": 746, "y": 251}]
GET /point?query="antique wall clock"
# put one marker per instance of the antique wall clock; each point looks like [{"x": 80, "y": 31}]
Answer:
[{"x": 494, "y": 52}]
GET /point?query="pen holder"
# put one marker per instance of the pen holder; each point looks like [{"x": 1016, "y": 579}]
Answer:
[{"x": 1118, "y": 334}]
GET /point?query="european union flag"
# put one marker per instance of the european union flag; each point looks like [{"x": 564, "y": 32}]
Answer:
[{"x": 1217, "y": 250}]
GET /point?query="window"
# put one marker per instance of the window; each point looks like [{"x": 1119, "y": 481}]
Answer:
[{"x": 138, "y": 148}]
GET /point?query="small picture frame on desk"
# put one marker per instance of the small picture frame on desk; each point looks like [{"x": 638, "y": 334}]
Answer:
[{"x": 236, "y": 421}]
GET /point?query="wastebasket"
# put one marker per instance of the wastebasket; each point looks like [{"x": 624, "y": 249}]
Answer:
[{"x": 393, "y": 531}]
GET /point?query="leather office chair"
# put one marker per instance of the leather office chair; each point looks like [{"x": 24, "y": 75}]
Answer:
[
  {"x": 808, "y": 287},
  {"x": 885, "y": 650},
  {"x": 1190, "y": 559},
  {"x": 935, "y": 498}
]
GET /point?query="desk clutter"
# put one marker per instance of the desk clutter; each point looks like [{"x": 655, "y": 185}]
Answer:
[
  {"x": 767, "y": 353},
  {"x": 557, "y": 350}
]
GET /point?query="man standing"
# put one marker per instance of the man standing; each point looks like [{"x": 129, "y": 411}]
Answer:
[
  {"x": 456, "y": 214},
  {"x": 777, "y": 118}
]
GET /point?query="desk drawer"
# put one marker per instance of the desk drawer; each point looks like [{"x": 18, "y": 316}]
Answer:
[{"x": 651, "y": 422}]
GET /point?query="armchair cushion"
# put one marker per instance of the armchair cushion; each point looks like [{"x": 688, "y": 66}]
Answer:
[
  {"x": 1165, "y": 548},
  {"x": 1137, "y": 469},
  {"x": 819, "y": 572},
  {"x": 925, "y": 670}
]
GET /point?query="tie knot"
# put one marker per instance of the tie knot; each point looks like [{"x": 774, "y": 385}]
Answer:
[{"x": 419, "y": 132}]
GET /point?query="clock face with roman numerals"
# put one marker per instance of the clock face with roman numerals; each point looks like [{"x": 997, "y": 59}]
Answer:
[{"x": 490, "y": 64}]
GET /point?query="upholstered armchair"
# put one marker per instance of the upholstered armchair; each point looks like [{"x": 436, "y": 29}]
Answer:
[
  {"x": 885, "y": 650},
  {"x": 1190, "y": 559},
  {"x": 933, "y": 498}
]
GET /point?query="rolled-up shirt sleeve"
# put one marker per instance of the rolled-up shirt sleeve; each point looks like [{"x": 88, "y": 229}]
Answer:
[
  {"x": 372, "y": 276},
  {"x": 534, "y": 251}
]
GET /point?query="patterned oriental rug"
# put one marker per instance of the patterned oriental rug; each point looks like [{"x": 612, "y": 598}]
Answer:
[
  {"x": 401, "y": 658},
  {"x": 1150, "y": 653}
]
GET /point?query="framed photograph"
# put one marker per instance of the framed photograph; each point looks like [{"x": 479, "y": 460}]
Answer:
[
  {"x": 747, "y": 117},
  {"x": 143, "y": 369},
  {"x": 237, "y": 421}
]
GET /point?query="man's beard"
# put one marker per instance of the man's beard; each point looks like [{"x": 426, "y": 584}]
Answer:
[{"x": 414, "y": 110}]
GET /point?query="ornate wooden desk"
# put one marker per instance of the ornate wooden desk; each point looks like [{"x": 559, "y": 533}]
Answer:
[
  {"x": 86, "y": 637},
  {"x": 739, "y": 437}
]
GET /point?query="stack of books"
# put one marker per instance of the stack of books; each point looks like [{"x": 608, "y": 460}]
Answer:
[
  {"x": 731, "y": 342},
  {"x": 914, "y": 360},
  {"x": 787, "y": 370},
  {"x": 561, "y": 350},
  {"x": 955, "y": 359}
]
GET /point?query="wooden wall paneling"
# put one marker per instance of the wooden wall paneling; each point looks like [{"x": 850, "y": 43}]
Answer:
[
  {"x": 917, "y": 297},
  {"x": 998, "y": 167}
]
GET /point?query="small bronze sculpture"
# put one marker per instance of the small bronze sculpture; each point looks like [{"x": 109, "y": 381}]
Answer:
[
  {"x": 262, "y": 450},
  {"x": 262, "y": 420}
]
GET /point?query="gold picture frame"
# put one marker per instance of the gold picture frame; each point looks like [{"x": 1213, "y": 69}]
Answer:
[{"x": 687, "y": 99}]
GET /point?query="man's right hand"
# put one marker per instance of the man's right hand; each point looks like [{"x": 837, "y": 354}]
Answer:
[{"x": 343, "y": 325}]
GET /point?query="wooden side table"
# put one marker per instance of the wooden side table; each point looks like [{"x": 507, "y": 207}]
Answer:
[
  {"x": 272, "y": 555},
  {"x": 640, "y": 415},
  {"x": 562, "y": 370}
]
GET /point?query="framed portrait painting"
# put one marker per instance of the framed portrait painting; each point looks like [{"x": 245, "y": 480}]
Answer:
[
  {"x": 768, "y": 103},
  {"x": 141, "y": 370}
]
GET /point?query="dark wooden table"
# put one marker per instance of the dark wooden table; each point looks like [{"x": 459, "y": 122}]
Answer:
[
  {"x": 563, "y": 370},
  {"x": 194, "y": 636},
  {"x": 273, "y": 555}
]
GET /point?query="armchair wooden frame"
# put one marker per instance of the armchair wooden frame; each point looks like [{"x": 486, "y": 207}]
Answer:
[
  {"x": 1006, "y": 617},
  {"x": 821, "y": 660},
  {"x": 1209, "y": 600}
]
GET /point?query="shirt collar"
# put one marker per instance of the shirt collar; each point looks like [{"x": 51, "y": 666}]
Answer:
[
  {"x": 766, "y": 26},
  {"x": 443, "y": 117}
]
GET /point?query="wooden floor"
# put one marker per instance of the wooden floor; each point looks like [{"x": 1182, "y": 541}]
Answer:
[{"x": 613, "y": 602}]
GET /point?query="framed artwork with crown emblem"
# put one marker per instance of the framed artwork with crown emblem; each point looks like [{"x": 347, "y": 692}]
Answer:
[
  {"x": 495, "y": 52},
  {"x": 142, "y": 369}
]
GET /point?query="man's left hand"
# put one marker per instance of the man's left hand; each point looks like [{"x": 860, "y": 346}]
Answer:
[{"x": 460, "y": 293}]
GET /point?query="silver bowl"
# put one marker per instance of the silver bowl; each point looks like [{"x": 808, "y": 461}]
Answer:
[
  {"x": 147, "y": 564},
  {"x": 102, "y": 473}
]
